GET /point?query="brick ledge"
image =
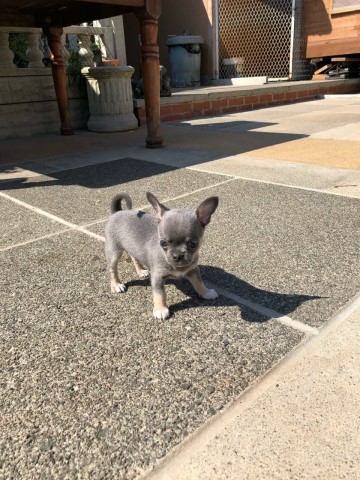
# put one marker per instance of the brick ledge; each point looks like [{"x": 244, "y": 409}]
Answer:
[{"x": 207, "y": 101}]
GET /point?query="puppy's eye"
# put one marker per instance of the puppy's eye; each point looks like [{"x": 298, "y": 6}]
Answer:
[
  {"x": 192, "y": 243},
  {"x": 163, "y": 244}
]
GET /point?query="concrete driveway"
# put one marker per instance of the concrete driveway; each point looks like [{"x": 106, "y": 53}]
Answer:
[{"x": 93, "y": 387}]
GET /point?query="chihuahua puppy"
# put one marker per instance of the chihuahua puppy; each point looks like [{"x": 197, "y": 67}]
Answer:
[{"x": 162, "y": 246}]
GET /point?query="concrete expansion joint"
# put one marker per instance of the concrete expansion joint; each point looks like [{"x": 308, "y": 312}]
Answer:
[
  {"x": 267, "y": 312},
  {"x": 342, "y": 314},
  {"x": 278, "y": 184},
  {"x": 50, "y": 216},
  {"x": 33, "y": 240},
  {"x": 82, "y": 228}
]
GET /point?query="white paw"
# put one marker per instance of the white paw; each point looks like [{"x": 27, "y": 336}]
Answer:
[
  {"x": 118, "y": 288},
  {"x": 161, "y": 314},
  {"x": 144, "y": 273},
  {"x": 210, "y": 294}
]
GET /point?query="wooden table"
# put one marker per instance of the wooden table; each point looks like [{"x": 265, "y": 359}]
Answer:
[{"x": 53, "y": 15}]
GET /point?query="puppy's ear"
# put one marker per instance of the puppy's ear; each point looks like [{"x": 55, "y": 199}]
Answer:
[
  {"x": 159, "y": 208},
  {"x": 206, "y": 209}
]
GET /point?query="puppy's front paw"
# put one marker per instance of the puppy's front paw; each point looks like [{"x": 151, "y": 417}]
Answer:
[
  {"x": 161, "y": 314},
  {"x": 144, "y": 274},
  {"x": 118, "y": 288},
  {"x": 210, "y": 294}
]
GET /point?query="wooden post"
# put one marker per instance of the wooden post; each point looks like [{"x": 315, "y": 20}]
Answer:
[
  {"x": 53, "y": 35},
  {"x": 148, "y": 19}
]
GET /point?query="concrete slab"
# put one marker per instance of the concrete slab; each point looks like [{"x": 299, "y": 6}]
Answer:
[
  {"x": 224, "y": 142},
  {"x": 300, "y": 126},
  {"x": 345, "y": 99},
  {"x": 303, "y": 124},
  {"x": 349, "y": 131},
  {"x": 293, "y": 251},
  {"x": 20, "y": 225},
  {"x": 273, "y": 114},
  {"x": 339, "y": 116},
  {"x": 349, "y": 186},
  {"x": 99, "y": 227},
  {"x": 92, "y": 385},
  {"x": 174, "y": 157},
  {"x": 303, "y": 422},
  {"x": 328, "y": 103},
  {"x": 336, "y": 180},
  {"x": 52, "y": 146},
  {"x": 304, "y": 119},
  {"x": 89, "y": 189},
  {"x": 237, "y": 123},
  {"x": 347, "y": 107},
  {"x": 254, "y": 256},
  {"x": 313, "y": 151}
]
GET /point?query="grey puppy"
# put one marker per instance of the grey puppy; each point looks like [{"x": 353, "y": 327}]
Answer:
[{"x": 162, "y": 246}]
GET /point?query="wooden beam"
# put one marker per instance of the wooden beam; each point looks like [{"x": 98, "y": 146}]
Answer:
[
  {"x": 345, "y": 59},
  {"x": 128, "y": 3},
  {"x": 17, "y": 20},
  {"x": 323, "y": 69},
  {"x": 330, "y": 48}
]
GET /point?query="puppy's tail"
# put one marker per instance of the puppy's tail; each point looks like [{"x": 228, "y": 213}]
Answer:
[{"x": 116, "y": 202}]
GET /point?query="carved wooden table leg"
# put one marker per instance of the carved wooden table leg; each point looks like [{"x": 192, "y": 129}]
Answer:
[
  {"x": 151, "y": 74},
  {"x": 53, "y": 35}
]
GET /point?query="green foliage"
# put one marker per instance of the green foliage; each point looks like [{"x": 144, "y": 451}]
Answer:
[
  {"x": 18, "y": 44},
  {"x": 74, "y": 71},
  {"x": 95, "y": 48},
  {"x": 74, "y": 67}
]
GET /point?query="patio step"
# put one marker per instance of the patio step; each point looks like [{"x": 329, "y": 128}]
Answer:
[{"x": 215, "y": 100}]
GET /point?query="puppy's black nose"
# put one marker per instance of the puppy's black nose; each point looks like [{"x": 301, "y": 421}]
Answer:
[{"x": 178, "y": 256}]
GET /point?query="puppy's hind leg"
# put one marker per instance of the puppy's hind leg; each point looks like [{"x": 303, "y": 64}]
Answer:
[
  {"x": 113, "y": 258},
  {"x": 140, "y": 270}
]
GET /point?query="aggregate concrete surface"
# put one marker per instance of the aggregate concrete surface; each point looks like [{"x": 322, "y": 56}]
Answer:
[
  {"x": 303, "y": 424},
  {"x": 304, "y": 255},
  {"x": 93, "y": 387},
  {"x": 95, "y": 185},
  {"x": 101, "y": 387},
  {"x": 19, "y": 225}
]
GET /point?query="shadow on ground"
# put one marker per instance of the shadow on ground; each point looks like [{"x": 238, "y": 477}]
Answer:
[
  {"x": 222, "y": 138},
  {"x": 280, "y": 303},
  {"x": 102, "y": 175}
]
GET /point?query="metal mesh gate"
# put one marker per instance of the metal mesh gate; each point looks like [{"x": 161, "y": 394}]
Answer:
[{"x": 255, "y": 38}]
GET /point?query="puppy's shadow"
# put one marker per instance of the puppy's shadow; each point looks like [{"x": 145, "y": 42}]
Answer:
[{"x": 282, "y": 303}]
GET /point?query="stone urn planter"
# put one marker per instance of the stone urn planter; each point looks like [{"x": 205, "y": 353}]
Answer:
[{"x": 110, "y": 98}]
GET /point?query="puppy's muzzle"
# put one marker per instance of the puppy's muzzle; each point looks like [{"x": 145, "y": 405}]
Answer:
[{"x": 178, "y": 257}]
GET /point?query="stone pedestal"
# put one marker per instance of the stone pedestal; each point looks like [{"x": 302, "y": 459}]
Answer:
[{"x": 110, "y": 98}]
